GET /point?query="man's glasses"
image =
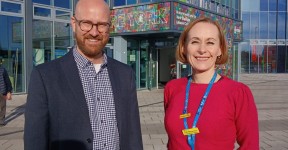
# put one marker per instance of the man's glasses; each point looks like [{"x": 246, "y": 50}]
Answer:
[{"x": 86, "y": 25}]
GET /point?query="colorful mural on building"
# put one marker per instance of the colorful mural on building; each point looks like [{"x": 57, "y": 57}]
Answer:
[
  {"x": 156, "y": 17},
  {"x": 150, "y": 17},
  {"x": 184, "y": 14}
]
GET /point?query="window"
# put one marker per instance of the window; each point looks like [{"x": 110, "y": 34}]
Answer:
[
  {"x": 235, "y": 4},
  {"x": 10, "y": 7},
  {"x": 272, "y": 25},
  {"x": 263, "y": 25},
  {"x": 254, "y": 28},
  {"x": 129, "y": 2},
  {"x": 263, "y": 5},
  {"x": 245, "y": 5},
  {"x": 244, "y": 49},
  {"x": 246, "y": 25},
  {"x": 62, "y": 15},
  {"x": 144, "y": 1},
  {"x": 282, "y": 5},
  {"x": 46, "y": 2},
  {"x": 272, "y": 5},
  {"x": 62, "y": 39},
  {"x": 254, "y": 5},
  {"x": 42, "y": 41},
  {"x": 63, "y": 3},
  {"x": 119, "y": 3},
  {"x": 11, "y": 50},
  {"x": 281, "y": 25},
  {"x": 42, "y": 12}
]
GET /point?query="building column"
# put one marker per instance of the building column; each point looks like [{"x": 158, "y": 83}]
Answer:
[
  {"x": 120, "y": 49},
  {"x": 28, "y": 49}
]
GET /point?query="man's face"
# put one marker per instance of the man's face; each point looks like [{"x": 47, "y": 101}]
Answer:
[{"x": 91, "y": 38}]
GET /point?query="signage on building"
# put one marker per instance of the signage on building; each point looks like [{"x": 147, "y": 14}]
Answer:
[
  {"x": 272, "y": 42},
  {"x": 268, "y": 42},
  {"x": 150, "y": 17},
  {"x": 281, "y": 41},
  {"x": 263, "y": 42}
]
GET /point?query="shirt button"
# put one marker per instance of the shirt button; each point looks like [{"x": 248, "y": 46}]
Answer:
[{"x": 89, "y": 140}]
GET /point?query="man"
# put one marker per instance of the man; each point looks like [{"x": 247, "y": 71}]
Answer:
[
  {"x": 5, "y": 93},
  {"x": 84, "y": 100}
]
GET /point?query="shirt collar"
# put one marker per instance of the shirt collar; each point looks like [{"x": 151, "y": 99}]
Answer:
[{"x": 83, "y": 61}]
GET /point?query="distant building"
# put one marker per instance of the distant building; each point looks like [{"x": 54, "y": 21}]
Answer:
[
  {"x": 144, "y": 35},
  {"x": 32, "y": 32},
  {"x": 265, "y": 32}
]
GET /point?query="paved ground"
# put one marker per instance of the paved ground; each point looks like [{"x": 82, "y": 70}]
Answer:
[{"x": 271, "y": 96}]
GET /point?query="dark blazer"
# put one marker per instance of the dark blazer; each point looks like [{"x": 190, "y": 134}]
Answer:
[{"x": 56, "y": 115}]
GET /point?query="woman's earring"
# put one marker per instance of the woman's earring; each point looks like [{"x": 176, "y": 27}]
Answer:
[{"x": 219, "y": 57}]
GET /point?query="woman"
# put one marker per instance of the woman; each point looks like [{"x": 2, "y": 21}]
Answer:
[{"x": 207, "y": 111}]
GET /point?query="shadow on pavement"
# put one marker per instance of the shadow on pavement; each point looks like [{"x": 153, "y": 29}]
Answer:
[
  {"x": 9, "y": 133},
  {"x": 18, "y": 111}
]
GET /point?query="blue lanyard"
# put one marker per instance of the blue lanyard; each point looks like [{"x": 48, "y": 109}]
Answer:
[{"x": 191, "y": 138}]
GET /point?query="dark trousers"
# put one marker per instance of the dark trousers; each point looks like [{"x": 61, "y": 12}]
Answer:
[{"x": 2, "y": 109}]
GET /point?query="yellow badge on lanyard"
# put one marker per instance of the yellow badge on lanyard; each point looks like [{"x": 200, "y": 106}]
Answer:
[
  {"x": 190, "y": 131},
  {"x": 185, "y": 116}
]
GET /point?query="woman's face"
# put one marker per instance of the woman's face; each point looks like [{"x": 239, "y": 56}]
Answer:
[{"x": 202, "y": 46}]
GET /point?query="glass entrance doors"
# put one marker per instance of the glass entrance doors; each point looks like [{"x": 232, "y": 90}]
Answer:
[
  {"x": 140, "y": 58},
  {"x": 143, "y": 68}
]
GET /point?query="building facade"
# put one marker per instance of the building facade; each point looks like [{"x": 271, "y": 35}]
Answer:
[
  {"x": 144, "y": 35},
  {"x": 32, "y": 32},
  {"x": 265, "y": 30}
]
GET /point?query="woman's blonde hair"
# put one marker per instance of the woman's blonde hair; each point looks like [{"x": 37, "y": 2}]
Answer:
[{"x": 180, "y": 52}]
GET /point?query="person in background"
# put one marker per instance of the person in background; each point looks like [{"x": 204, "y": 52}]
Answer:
[
  {"x": 83, "y": 100},
  {"x": 5, "y": 93},
  {"x": 206, "y": 110}
]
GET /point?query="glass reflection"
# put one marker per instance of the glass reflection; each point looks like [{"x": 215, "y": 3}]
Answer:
[
  {"x": 63, "y": 3},
  {"x": 119, "y": 3},
  {"x": 62, "y": 15},
  {"x": 281, "y": 25},
  {"x": 264, "y": 5},
  {"x": 263, "y": 25},
  {"x": 143, "y": 63},
  {"x": 11, "y": 7},
  {"x": 42, "y": 39},
  {"x": 245, "y": 57},
  {"x": 131, "y": 2},
  {"x": 272, "y": 25},
  {"x": 133, "y": 57},
  {"x": 62, "y": 39},
  {"x": 46, "y": 2},
  {"x": 272, "y": 59},
  {"x": 11, "y": 50},
  {"x": 42, "y": 12}
]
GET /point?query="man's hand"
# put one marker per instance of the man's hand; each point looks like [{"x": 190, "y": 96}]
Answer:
[{"x": 8, "y": 96}]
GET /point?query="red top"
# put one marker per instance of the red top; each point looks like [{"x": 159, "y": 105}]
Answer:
[{"x": 229, "y": 115}]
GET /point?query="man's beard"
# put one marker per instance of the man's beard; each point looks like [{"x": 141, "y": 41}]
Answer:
[{"x": 90, "y": 51}]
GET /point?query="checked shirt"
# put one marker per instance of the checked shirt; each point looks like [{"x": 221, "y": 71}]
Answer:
[{"x": 100, "y": 102}]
